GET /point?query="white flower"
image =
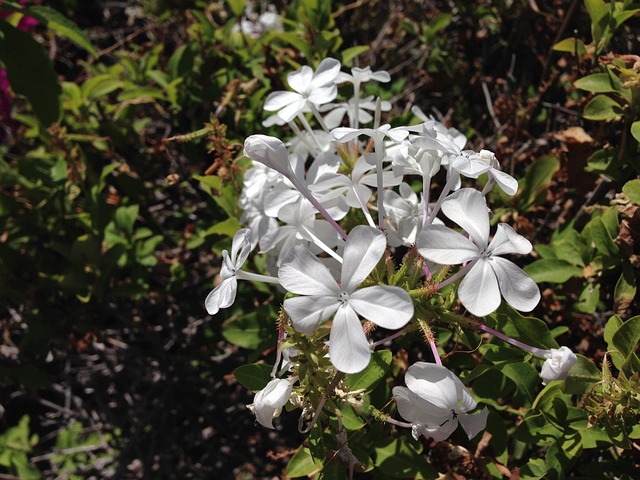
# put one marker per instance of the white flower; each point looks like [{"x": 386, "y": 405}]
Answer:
[
  {"x": 557, "y": 364},
  {"x": 268, "y": 402},
  {"x": 361, "y": 75},
  {"x": 436, "y": 401},
  {"x": 321, "y": 296},
  {"x": 315, "y": 88},
  {"x": 488, "y": 276},
  {"x": 224, "y": 294}
]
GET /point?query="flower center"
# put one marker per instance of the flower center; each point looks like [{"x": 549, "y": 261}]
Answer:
[{"x": 343, "y": 298}]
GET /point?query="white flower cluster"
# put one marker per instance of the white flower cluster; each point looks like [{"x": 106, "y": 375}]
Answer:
[{"x": 296, "y": 195}]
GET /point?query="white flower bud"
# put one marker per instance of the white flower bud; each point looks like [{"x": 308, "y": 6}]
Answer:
[{"x": 557, "y": 364}]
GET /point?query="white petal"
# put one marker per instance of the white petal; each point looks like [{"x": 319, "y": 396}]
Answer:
[
  {"x": 300, "y": 80},
  {"x": 479, "y": 291},
  {"x": 362, "y": 252},
  {"x": 474, "y": 423},
  {"x": 387, "y": 306},
  {"x": 289, "y": 112},
  {"x": 222, "y": 296},
  {"x": 307, "y": 312},
  {"x": 517, "y": 288},
  {"x": 322, "y": 95},
  {"x": 348, "y": 346},
  {"x": 468, "y": 208},
  {"x": 269, "y": 151},
  {"x": 508, "y": 184},
  {"x": 278, "y": 100},
  {"x": 506, "y": 240},
  {"x": 272, "y": 397},
  {"x": 345, "y": 134},
  {"x": 242, "y": 242},
  {"x": 327, "y": 72},
  {"x": 415, "y": 409},
  {"x": 434, "y": 383},
  {"x": 445, "y": 246},
  {"x": 442, "y": 432},
  {"x": 302, "y": 273}
]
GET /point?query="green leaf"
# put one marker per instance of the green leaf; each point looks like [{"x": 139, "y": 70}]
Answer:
[
  {"x": 602, "y": 238},
  {"x": 350, "y": 420},
  {"x": 254, "y": 376},
  {"x": 237, "y": 7},
  {"x": 625, "y": 290},
  {"x": 30, "y": 72},
  {"x": 552, "y": 270},
  {"x": 582, "y": 376},
  {"x": 625, "y": 339},
  {"x": 374, "y": 372},
  {"x": 348, "y": 54},
  {"x": 595, "y": 83},
  {"x": 398, "y": 459},
  {"x": 301, "y": 464},
  {"x": 529, "y": 330},
  {"x": 635, "y": 131},
  {"x": 125, "y": 217},
  {"x": 571, "y": 45},
  {"x": 100, "y": 85},
  {"x": 538, "y": 176},
  {"x": 632, "y": 190},
  {"x": 602, "y": 107},
  {"x": 588, "y": 299},
  {"x": 248, "y": 331},
  {"x": 62, "y": 26},
  {"x": 227, "y": 227},
  {"x": 525, "y": 377}
]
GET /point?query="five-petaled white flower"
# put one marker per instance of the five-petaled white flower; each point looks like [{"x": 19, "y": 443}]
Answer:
[
  {"x": 557, "y": 364},
  {"x": 268, "y": 402},
  {"x": 488, "y": 276},
  {"x": 321, "y": 296},
  {"x": 311, "y": 89},
  {"x": 224, "y": 294},
  {"x": 435, "y": 401}
]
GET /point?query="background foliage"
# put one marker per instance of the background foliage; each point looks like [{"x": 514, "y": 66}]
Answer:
[{"x": 119, "y": 174}]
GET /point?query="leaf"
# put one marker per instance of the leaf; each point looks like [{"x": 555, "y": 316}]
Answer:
[
  {"x": 595, "y": 83},
  {"x": 62, "y": 26},
  {"x": 625, "y": 339},
  {"x": 348, "y": 54},
  {"x": 248, "y": 331},
  {"x": 301, "y": 464},
  {"x": 100, "y": 85},
  {"x": 588, "y": 299},
  {"x": 374, "y": 372},
  {"x": 552, "y": 270},
  {"x": 227, "y": 227},
  {"x": 625, "y": 290},
  {"x": 582, "y": 376},
  {"x": 398, "y": 459},
  {"x": 602, "y": 238},
  {"x": 529, "y": 330},
  {"x": 525, "y": 377},
  {"x": 538, "y": 176},
  {"x": 30, "y": 72},
  {"x": 635, "y": 130},
  {"x": 602, "y": 107},
  {"x": 237, "y": 7},
  {"x": 632, "y": 189},
  {"x": 254, "y": 376},
  {"x": 125, "y": 217},
  {"x": 571, "y": 45}
]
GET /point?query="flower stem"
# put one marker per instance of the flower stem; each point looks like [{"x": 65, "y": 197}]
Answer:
[
  {"x": 456, "y": 276},
  {"x": 255, "y": 277},
  {"x": 538, "y": 352}
]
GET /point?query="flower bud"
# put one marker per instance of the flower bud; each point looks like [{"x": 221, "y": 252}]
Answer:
[{"x": 557, "y": 364}]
